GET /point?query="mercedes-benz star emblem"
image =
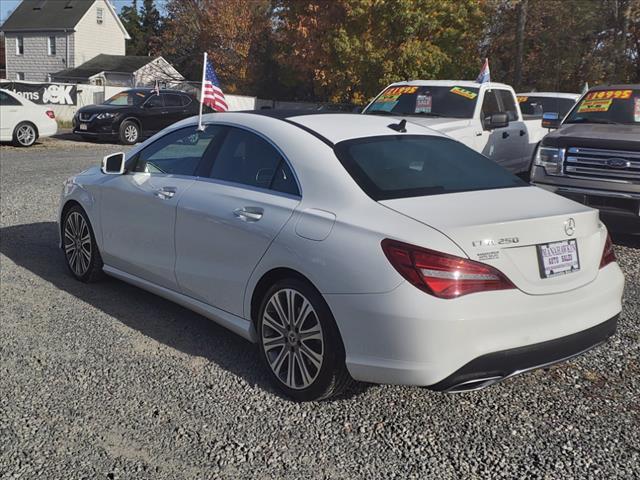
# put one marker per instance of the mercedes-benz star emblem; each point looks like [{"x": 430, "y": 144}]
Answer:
[{"x": 570, "y": 227}]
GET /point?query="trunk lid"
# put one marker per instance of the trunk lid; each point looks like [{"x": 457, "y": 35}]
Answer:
[{"x": 503, "y": 227}]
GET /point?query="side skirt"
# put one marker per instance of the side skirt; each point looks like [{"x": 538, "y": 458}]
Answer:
[{"x": 236, "y": 324}]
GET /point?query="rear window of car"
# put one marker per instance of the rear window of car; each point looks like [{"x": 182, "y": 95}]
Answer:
[
  {"x": 402, "y": 166},
  {"x": 536, "y": 106}
]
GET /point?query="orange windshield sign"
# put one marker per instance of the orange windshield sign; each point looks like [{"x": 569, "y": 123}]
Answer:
[
  {"x": 609, "y": 94},
  {"x": 400, "y": 90},
  {"x": 522, "y": 99}
]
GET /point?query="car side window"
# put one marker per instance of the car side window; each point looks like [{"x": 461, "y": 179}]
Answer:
[
  {"x": 155, "y": 101},
  {"x": 247, "y": 159},
  {"x": 490, "y": 105},
  {"x": 8, "y": 101},
  {"x": 171, "y": 100},
  {"x": 177, "y": 153},
  {"x": 186, "y": 100},
  {"x": 508, "y": 104}
]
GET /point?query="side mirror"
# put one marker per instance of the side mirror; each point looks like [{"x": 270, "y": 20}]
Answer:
[
  {"x": 113, "y": 164},
  {"x": 497, "y": 120},
  {"x": 551, "y": 120}
]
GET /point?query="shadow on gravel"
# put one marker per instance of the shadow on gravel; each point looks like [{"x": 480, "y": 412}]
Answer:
[
  {"x": 34, "y": 247},
  {"x": 625, "y": 240}
]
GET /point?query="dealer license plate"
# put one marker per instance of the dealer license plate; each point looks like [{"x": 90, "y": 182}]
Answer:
[
  {"x": 558, "y": 258},
  {"x": 83, "y": 126}
]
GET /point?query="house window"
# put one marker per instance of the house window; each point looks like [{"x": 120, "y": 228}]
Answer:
[
  {"x": 19, "y": 75},
  {"x": 99, "y": 15},
  {"x": 19, "y": 45},
  {"x": 52, "y": 45}
]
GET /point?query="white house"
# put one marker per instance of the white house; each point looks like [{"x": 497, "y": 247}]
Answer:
[
  {"x": 123, "y": 71},
  {"x": 46, "y": 36}
]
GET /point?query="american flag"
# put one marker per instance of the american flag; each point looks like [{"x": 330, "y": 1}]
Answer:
[
  {"x": 212, "y": 93},
  {"x": 485, "y": 73}
]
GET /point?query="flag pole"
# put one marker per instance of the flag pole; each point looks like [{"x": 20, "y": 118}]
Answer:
[{"x": 204, "y": 69}]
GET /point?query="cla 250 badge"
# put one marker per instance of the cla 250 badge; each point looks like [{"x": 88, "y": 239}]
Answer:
[{"x": 490, "y": 242}]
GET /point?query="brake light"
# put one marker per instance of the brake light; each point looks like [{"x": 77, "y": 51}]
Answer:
[
  {"x": 50, "y": 114},
  {"x": 608, "y": 255},
  {"x": 443, "y": 275}
]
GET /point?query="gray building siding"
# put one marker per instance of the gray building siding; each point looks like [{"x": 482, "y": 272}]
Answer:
[{"x": 35, "y": 62}]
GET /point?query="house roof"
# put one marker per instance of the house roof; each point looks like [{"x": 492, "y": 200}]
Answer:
[
  {"x": 106, "y": 63},
  {"x": 51, "y": 15}
]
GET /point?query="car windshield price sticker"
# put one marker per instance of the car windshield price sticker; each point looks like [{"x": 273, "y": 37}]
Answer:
[
  {"x": 636, "y": 109},
  {"x": 423, "y": 103},
  {"x": 558, "y": 258},
  {"x": 522, "y": 99},
  {"x": 464, "y": 93},
  {"x": 609, "y": 94},
  {"x": 594, "y": 106}
]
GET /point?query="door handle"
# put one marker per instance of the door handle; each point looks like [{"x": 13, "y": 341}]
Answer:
[
  {"x": 505, "y": 134},
  {"x": 164, "y": 113},
  {"x": 522, "y": 133},
  {"x": 249, "y": 214},
  {"x": 165, "y": 193}
]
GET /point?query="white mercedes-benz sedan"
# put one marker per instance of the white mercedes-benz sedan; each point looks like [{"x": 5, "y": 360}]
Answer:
[{"x": 349, "y": 247}]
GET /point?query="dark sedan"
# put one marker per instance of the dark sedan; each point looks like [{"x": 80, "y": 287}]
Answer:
[{"x": 133, "y": 114}]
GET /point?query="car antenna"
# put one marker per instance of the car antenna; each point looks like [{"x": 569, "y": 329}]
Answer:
[{"x": 399, "y": 127}]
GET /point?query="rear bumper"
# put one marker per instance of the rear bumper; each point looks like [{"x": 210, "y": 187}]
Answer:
[
  {"x": 48, "y": 129},
  {"x": 494, "y": 367},
  {"x": 409, "y": 337}
]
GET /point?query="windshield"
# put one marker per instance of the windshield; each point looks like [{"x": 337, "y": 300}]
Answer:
[
  {"x": 126, "y": 98},
  {"x": 401, "y": 166},
  {"x": 429, "y": 101},
  {"x": 536, "y": 106},
  {"x": 608, "y": 106}
]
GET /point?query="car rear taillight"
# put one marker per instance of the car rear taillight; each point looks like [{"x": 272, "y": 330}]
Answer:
[
  {"x": 440, "y": 274},
  {"x": 50, "y": 114},
  {"x": 608, "y": 255}
]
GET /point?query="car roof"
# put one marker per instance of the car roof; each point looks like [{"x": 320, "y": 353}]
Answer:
[
  {"x": 572, "y": 96},
  {"x": 630, "y": 86},
  {"x": 450, "y": 83},
  {"x": 149, "y": 90},
  {"x": 329, "y": 127}
]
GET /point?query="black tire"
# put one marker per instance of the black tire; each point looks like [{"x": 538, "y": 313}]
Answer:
[
  {"x": 129, "y": 132},
  {"x": 25, "y": 134},
  {"x": 332, "y": 377},
  {"x": 84, "y": 268}
]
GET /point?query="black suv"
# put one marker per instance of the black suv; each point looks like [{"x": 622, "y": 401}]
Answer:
[{"x": 133, "y": 114}]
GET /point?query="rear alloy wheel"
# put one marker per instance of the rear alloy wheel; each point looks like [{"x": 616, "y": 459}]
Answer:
[
  {"x": 129, "y": 132},
  {"x": 80, "y": 248},
  {"x": 25, "y": 135},
  {"x": 300, "y": 343}
]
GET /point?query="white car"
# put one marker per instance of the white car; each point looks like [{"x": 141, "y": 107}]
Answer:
[
  {"x": 534, "y": 104},
  {"x": 484, "y": 116},
  {"x": 349, "y": 246},
  {"x": 22, "y": 121}
]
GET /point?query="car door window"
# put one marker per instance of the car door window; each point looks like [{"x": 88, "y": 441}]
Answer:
[
  {"x": 177, "y": 153},
  {"x": 155, "y": 101},
  {"x": 7, "y": 100},
  {"x": 490, "y": 105},
  {"x": 186, "y": 100},
  {"x": 508, "y": 104},
  {"x": 247, "y": 159},
  {"x": 171, "y": 100}
]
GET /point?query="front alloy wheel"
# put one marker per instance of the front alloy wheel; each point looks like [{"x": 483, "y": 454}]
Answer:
[
  {"x": 300, "y": 342},
  {"x": 80, "y": 249}
]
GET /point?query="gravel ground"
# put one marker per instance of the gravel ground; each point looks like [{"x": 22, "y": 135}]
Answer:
[{"x": 108, "y": 381}]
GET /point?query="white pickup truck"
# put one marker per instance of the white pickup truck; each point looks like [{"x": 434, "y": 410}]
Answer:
[{"x": 483, "y": 116}]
